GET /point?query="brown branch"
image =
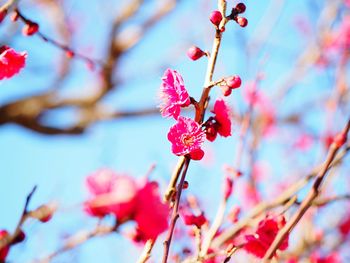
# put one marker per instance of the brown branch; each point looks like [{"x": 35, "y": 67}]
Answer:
[
  {"x": 307, "y": 202},
  {"x": 175, "y": 214},
  {"x": 9, "y": 240},
  {"x": 146, "y": 253},
  {"x": 80, "y": 238}
]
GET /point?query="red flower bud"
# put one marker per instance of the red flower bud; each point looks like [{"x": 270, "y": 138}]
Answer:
[
  {"x": 242, "y": 21},
  {"x": 185, "y": 185},
  {"x": 197, "y": 155},
  {"x": 211, "y": 133},
  {"x": 195, "y": 53},
  {"x": 240, "y": 8},
  {"x": 30, "y": 29},
  {"x": 215, "y": 17},
  {"x": 69, "y": 54},
  {"x": 234, "y": 82},
  {"x": 226, "y": 91},
  {"x": 228, "y": 186}
]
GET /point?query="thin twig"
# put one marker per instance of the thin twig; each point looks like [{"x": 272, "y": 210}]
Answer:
[{"x": 146, "y": 253}]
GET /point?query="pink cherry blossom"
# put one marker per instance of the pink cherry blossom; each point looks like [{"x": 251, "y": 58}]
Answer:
[
  {"x": 173, "y": 94},
  {"x": 151, "y": 213},
  {"x": 127, "y": 199},
  {"x": 186, "y": 137},
  {"x": 222, "y": 116},
  {"x": 112, "y": 194},
  {"x": 11, "y": 62}
]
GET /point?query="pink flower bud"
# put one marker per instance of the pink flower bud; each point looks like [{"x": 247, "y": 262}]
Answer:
[
  {"x": 14, "y": 17},
  {"x": 234, "y": 82},
  {"x": 30, "y": 29},
  {"x": 215, "y": 17},
  {"x": 3, "y": 14},
  {"x": 228, "y": 186},
  {"x": 226, "y": 91},
  {"x": 195, "y": 53},
  {"x": 240, "y": 8},
  {"x": 233, "y": 214},
  {"x": 242, "y": 21}
]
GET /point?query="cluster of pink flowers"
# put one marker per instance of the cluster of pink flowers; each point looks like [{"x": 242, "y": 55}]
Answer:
[
  {"x": 11, "y": 62},
  {"x": 128, "y": 199},
  {"x": 186, "y": 135},
  {"x": 258, "y": 243}
]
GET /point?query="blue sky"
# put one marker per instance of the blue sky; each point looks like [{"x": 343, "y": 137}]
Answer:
[{"x": 59, "y": 164}]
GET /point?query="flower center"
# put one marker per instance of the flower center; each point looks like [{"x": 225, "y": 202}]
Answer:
[{"x": 187, "y": 139}]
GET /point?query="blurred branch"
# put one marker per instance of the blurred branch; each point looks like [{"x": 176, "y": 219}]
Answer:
[
  {"x": 283, "y": 198},
  {"x": 80, "y": 238},
  {"x": 30, "y": 111},
  {"x": 307, "y": 202}
]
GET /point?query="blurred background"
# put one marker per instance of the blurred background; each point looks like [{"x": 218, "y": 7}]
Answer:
[{"x": 63, "y": 118}]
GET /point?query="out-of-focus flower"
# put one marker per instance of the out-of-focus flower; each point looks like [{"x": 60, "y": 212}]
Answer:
[
  {"x": 127, "y": 199},
  {"x": 196, "y": 220},
  {"x": 303, "y": 142},
  {"x": 11, "y": 62},
  {"x": 268, "y": 228},
  {"x": 344, "y": 227},
  {"x": 173, "y": 94},
  {"x": 151, "y": 213},
  {"x": 112, "y": 194},
  {"x": 331, "y": 258}
]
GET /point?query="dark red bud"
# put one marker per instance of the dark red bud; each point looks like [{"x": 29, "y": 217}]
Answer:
[
  {"x": 240, "y": 8},
  {"x": 30, "y": 29}
]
